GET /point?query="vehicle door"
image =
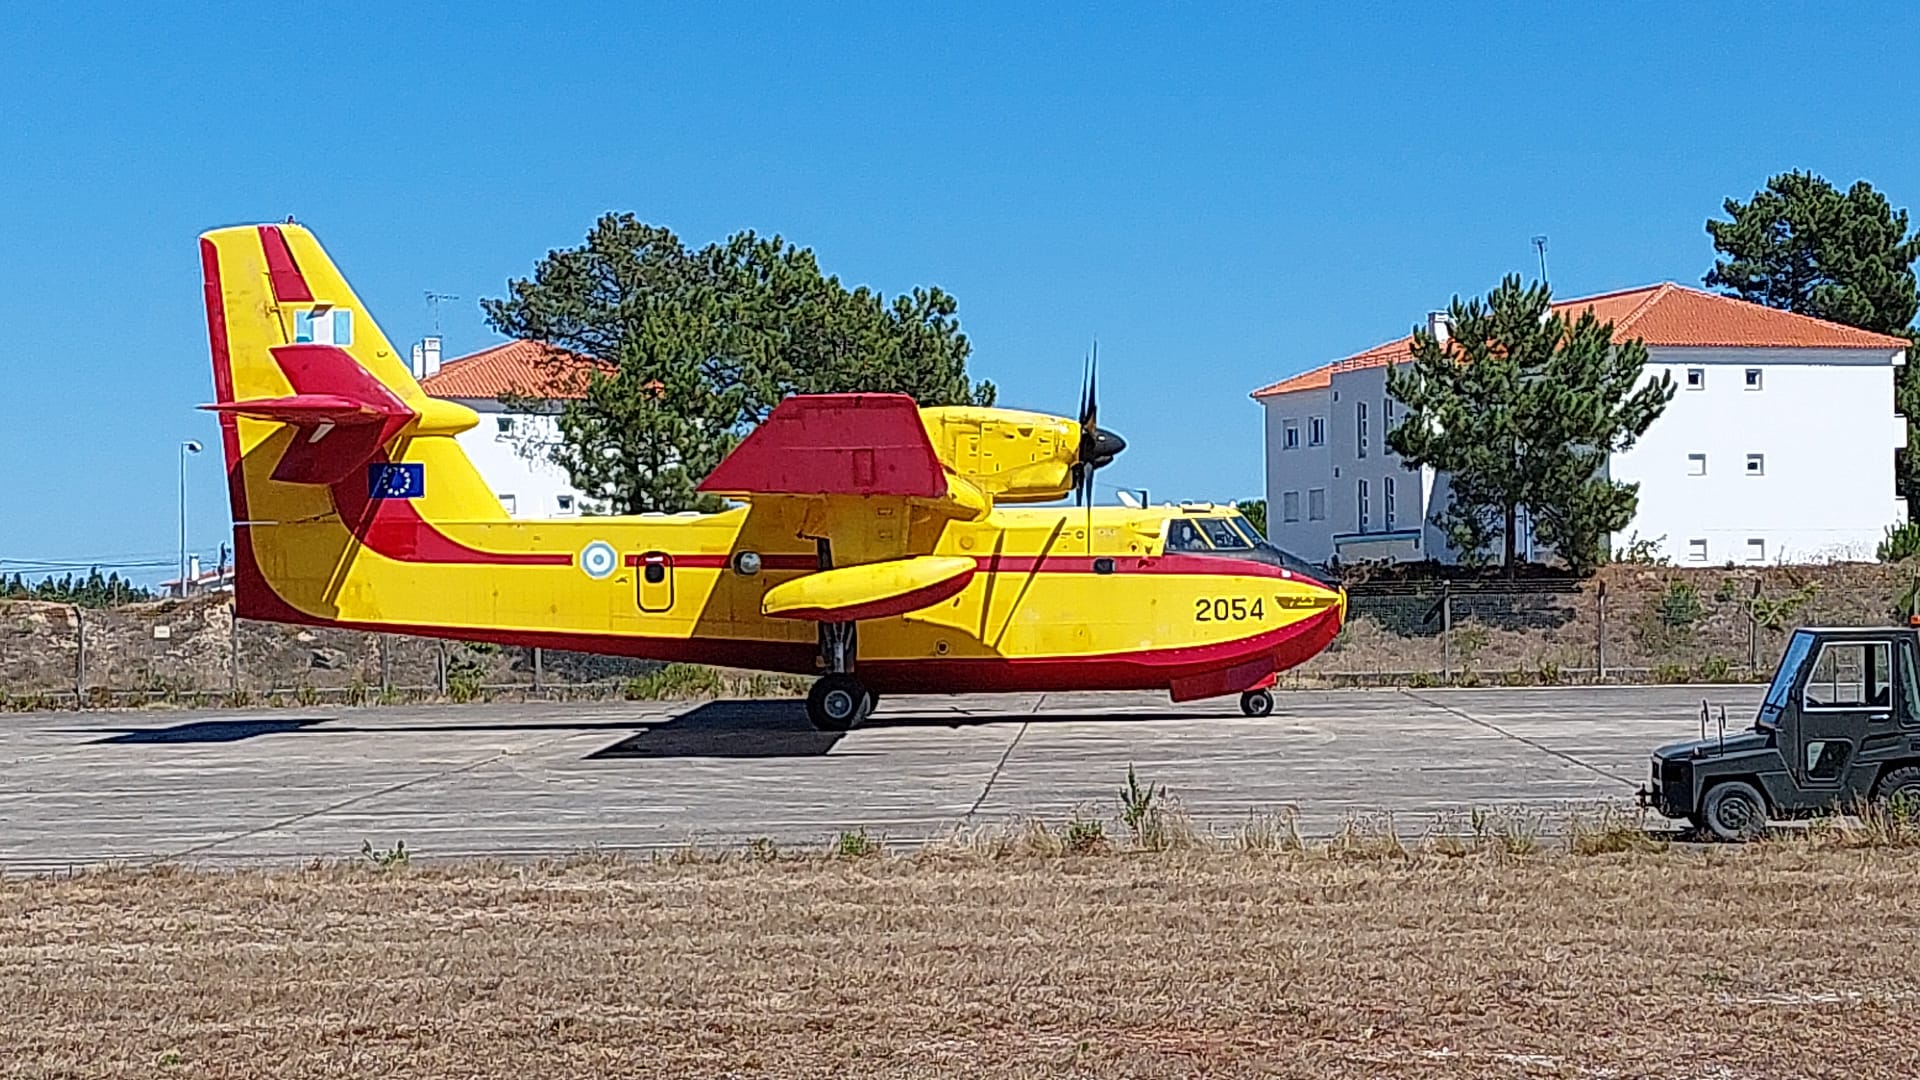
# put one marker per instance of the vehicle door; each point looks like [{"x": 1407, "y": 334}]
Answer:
[{"x": 1848, "y": 690}]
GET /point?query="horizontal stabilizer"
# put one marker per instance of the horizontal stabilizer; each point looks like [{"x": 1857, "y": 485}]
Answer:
[
  {"x": 341, "y": 414},
  {"x": 870, "y": 590},
  {"x": 835, "y": 444}
]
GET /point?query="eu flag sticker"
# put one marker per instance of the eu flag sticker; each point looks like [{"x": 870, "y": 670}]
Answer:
[{"x": 403, "y": 480}]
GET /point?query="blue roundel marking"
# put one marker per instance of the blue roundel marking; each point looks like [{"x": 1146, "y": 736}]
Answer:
[{"x": 598, "y": 559}]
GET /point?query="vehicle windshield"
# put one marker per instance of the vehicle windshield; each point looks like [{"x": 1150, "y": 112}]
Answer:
[{"x": 1782, "y": 688}]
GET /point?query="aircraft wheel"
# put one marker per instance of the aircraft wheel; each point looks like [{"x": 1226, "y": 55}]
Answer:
[
  {"x": 1734, "y": 811},
  {"x": 837, "y": 702},
  {"x": 1257, "y": 703}
]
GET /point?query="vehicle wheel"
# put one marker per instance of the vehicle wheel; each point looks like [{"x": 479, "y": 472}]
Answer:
[
  {"x": 1734, "y": 811},
  {"x": 1898, "y": 792},
  {"x": 873, "y": 702},
  {"x": 1257, "y": 703},
  {"x": 837, "y": 702}
]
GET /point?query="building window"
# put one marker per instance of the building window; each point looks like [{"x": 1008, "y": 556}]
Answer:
[
  {"x": 1756, "y": 550},
  {"x": 1756, "y": 464},
  {"x": 507, "y": 503},
  {"x": 504, "y": 424},
  {"x": 1360, "y": 488},
  {"x": 1360, "y": 427},
  {"x": 1317, "y": 431},
  {"x": 1290, "y": 436},
  {"x": 1696, "y": 464},
  {"x": 1696, "y": 378},
  {"x": 1386, "y": 498},
  {"x": 1386, "y": 412},
  {"x": 1316, "y": 504},
  {"x": 1696, "y": 551},
  {"x": 565, "y": 503},
  {"x": 1753, "y": 378},
  {"x": 1290, "y": 506}
]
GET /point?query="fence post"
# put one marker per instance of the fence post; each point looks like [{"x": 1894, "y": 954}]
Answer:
[
  {"x": 440, "y": 666},
  {"x": 539, "y": 669},
  {"x": 386, "y": 666},
  {"x": 1600, "y": 638},
  {"x": 1446, "y": 630},
  {"x": 1753, "y": 630},
  {"x": 233, "y": 648},
  {"x": 79, "y": 658}
]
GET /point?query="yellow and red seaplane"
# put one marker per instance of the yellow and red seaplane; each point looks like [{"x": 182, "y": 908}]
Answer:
[{"x": 882, "y": 546}]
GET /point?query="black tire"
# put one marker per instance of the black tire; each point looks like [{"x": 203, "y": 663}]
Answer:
[
  {"x": 1734, "y": 811},
  {"x": 837, "y": 702},
  {"x": 1899, "y": 789},
  {"x": 1257, "y": 703}
]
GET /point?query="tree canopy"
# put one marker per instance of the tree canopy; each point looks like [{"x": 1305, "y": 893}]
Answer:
[
  {"x": 695, "y": 346},
  {"x": 1521, "y": 408},
  {"x": 1802, "y": 245},
  {"x": 90, "y": 591}
]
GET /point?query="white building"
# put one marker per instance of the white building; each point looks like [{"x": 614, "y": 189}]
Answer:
[
  {"x": 1778, "y": 445},
  {"x": 528, "y": 485}
]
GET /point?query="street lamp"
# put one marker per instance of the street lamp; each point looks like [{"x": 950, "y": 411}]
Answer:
[{"x": 188, "y": 447}]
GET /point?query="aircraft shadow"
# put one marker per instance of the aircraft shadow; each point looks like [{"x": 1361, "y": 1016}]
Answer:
[
  {"x": 727, "y": 729},
  {"x": 213, "y": 731}
]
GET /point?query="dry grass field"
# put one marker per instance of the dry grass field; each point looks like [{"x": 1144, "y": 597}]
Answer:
[{"x": 1796, "y": 958}]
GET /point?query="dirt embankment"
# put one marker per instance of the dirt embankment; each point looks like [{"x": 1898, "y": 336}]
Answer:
[{"x": 1658, "y": 623}]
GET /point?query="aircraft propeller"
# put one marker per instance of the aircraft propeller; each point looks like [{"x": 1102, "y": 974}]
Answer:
[{"x": 1098, "y": 448}]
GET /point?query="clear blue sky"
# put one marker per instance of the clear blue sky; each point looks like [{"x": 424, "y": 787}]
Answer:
[{"x": 1224, "y": 194}]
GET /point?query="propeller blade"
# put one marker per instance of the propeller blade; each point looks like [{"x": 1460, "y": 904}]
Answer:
[{"x": 1090, "y": 413}]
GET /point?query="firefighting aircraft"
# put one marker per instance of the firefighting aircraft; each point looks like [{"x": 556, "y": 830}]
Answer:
[{"x": 876, "y": 544}]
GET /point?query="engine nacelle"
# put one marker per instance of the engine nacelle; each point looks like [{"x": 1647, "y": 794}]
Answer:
[{"x": 1009, "y": 454}]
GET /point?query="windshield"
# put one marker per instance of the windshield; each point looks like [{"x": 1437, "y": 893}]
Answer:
[
  {"x": 1782, "y": 688},
  {"x": 1224, "y": 536}
]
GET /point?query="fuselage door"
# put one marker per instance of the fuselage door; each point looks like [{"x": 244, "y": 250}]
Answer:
[{"x": 653, "y": 581}]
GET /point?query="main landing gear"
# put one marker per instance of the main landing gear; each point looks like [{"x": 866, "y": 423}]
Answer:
[
  {"x": 1257, "y": 703},
  {"x": 838, "y": 701}
]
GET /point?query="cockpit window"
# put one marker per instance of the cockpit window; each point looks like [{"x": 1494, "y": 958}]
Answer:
[
  {"x": 1182, "y": 535},
  {"x": 1223, "y": 535},
  {"x": 1246, "y": 529}
]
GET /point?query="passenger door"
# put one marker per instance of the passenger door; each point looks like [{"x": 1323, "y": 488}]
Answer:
[{"x": 1848, "y": 690}]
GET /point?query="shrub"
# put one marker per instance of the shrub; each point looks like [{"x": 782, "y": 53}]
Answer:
[
  {"x": 1902, "y": 542},
  {"x": 675, "y": 681},
  {"x": 1140, "y": 811},
  {"x": 856, "y": 845},
  {"x": 1085, "y": 836},
  {"x": 1672, "y": 674},
  {"x": 1715, "y": 669},
  {"x": 1680, "y": 605},
  {"x": 391, "y": 858}
]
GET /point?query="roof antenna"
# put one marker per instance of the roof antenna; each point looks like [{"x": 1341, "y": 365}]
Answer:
[
  {"x": 433, "y": 305},
  {"x": 1540, "y": 245}
]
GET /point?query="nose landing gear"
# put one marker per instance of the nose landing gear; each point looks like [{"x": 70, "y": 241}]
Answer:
[{"x": 1257, "y": 703}]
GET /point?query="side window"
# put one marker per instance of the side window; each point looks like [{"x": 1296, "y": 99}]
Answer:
[
  {"x": 1909, "y": 694},
  {"x": 1851, "y": 674},
  {"x": 1183, "y": 536}
]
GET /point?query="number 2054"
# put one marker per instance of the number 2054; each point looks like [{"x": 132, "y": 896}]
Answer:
[{"x": 1226, "y": 608}]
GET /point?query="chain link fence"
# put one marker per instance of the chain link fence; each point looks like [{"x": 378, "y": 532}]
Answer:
[
  {"x": 196, "y": 652},
  {"x": 1628, "y": 624}
]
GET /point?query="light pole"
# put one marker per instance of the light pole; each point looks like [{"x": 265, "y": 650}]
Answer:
[{"x": 188, "y": 447}]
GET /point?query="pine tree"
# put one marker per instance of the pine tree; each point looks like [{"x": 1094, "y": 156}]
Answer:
[
  {"x": 695, "y": 346},
  {"x": 1802, "y": 245},
  {"x": 1521, "y": 409}
]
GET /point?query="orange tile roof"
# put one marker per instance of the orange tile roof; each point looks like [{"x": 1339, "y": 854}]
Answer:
[
  {"x": 530, "y": 368},
  {"x": 1666, "y": 315}
]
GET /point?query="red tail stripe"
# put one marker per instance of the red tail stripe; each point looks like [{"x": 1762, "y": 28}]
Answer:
[{"x": 289, "y": 285}]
